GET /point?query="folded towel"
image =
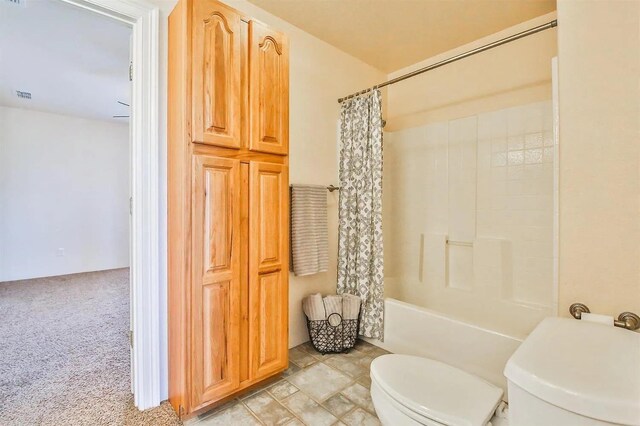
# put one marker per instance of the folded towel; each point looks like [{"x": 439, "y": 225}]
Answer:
[
  {"x": 313, "y": 307},
  {"x": 350, "y": 306},
  {"x": 309, "y": 229}
]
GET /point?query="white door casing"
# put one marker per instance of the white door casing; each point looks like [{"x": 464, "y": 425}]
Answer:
[{"x": 145, "y": 182}]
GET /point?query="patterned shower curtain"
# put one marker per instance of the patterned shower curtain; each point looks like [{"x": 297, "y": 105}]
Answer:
[{"x": 360, "y": 269}]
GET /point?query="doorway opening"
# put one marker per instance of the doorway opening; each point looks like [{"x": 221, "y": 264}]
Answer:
[{"x": 80, "y": 144}]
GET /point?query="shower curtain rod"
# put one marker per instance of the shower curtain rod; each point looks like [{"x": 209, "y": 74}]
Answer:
[{"x": 455, "y": 58}]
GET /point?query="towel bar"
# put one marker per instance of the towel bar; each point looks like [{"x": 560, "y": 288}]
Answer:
[
  {"x": 330, "y": 188},
  {"x": 460, "y": 243}
]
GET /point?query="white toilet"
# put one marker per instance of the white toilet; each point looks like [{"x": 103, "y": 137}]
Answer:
[{"x": 566, "y": 373}]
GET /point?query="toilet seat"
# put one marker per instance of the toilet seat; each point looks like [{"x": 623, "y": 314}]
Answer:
[{"x": 432, "y": 392}]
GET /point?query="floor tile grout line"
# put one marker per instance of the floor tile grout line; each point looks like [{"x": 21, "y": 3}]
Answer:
[
  {"x": 266, "y": 390},
  {"x": 356, "y": 406},
  {"x": 353, "y": 382},
  {"x": 352, "y": 401},
  {"x": 252, "y": 413},
  {"x": 312, "y": 399},
  {"x": 294, "y": 414},
  {"x": 283, "y": 406}
]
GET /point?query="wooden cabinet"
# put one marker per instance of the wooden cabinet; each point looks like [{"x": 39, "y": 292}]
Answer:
[
  {"x": 228, "y": 213},
  {"x": 216, "y": 74},
  {"x": 268, "y": 90}
]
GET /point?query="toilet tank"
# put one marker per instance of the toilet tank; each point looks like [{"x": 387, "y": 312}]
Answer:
[{"x": 569, "y": 372}]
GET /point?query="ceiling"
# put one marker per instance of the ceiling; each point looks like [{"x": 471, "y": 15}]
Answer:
[
  {"x": 392, "y": 34},
  {"x": 73, "y": 61}
]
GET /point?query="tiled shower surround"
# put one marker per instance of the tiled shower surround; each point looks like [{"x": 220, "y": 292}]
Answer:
[
  {"x": 316, "y": 390},
  {"x": 485, "y": 184}
]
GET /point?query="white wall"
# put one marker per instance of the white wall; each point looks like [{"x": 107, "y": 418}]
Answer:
[{"x": 64, "y": 183}]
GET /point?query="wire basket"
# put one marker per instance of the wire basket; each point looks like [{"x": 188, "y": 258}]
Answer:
[{"x": 334, "y": 334}]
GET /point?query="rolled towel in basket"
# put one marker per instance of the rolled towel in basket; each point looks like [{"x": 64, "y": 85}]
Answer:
[
  {"x": 313, "y": 307},
  {"x": 350, "y": 306},
  {"x": 333, "y": 305}
]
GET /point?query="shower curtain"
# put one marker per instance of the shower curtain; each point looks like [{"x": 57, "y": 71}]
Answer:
[{"x": 360, "y": 269}]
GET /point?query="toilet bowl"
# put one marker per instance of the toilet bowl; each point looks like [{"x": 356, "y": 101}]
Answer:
[{"x": 410, "y": 390}]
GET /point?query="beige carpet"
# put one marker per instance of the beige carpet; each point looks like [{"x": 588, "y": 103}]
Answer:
[{"x": 64, "y": 353}]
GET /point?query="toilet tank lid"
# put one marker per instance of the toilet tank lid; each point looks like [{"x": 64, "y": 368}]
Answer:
[{"x": 587, "y": 368}]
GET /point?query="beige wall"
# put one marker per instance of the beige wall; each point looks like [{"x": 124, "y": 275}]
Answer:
[
  {"x": 509, "y": 75},
  {"x": 599, "y": 69}
]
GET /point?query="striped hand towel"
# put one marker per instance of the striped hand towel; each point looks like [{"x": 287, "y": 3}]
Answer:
[{"x": 309, "y": 231}]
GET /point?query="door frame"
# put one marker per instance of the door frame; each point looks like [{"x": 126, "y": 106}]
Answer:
[{"x": 147, "y": 348}]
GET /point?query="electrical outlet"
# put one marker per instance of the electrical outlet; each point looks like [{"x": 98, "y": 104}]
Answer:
[{"x": 60, "y": 252}]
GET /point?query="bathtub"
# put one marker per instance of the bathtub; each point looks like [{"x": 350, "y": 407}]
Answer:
[{"x": 414, "y": 330}]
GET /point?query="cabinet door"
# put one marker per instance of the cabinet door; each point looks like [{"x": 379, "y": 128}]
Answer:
[
  {"x": 268, "y": 90},
  {"x": 216, "y": 74},
  {"x": 268, "y": 268},
  {"x": 215, "y": 312}
]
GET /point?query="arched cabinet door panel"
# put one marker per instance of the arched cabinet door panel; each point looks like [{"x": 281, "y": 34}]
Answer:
[
  {"x": 268, "y": 90},
  {"x": 216, "y": 45},
  {"x": 215, "y": 314}
]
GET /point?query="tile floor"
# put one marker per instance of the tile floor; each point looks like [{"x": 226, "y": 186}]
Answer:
[{"x": 316, "y": 390}]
